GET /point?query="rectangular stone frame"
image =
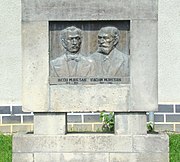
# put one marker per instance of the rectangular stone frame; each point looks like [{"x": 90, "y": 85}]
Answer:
[{"x": 140, "y": 95}]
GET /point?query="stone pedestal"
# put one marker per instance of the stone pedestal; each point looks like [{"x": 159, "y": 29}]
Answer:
[
  {"x": 130, "y": 97},
  {"x": 130, "y": 142},
  {"x": 90, "y": 148}
]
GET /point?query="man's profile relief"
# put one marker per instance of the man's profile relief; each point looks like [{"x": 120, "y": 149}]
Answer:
[
  {"x": 71, "y": 63},
  {"x": 109, "y": 61}
]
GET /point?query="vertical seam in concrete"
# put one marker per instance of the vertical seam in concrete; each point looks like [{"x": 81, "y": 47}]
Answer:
[
  {"x": 49, "y": 99},
  {"x": 132, "y": 139},
  {"x": 33, "y": 157}
]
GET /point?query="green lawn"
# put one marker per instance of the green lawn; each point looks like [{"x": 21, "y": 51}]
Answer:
[
  {"x": 6, "y": 148},
  {"x": 174, "y": 146}
]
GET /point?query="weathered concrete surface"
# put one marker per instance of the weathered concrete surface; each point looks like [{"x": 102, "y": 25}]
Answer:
[
  {"x": 80, "y": 10},
  {"x": 10, "y": 53},
  {"x": 35, "y": 66},
  {"x": 91, "y": 157},
  {"x": 50, "y": 124},
  {"x": 139, "y": 157},
  {"x": 23, "y": 157},
  {"x": 168, "y": 51},
  {"x": 130, "y": 123},
  {"x": 79, "y": 143},
  {"x": 72, "y": 143},
  {"x": 67, "y": 98},
  {"x": 71, "y": 157},
  {"x": 143, "y": 61},
  {"x": 92, "y": 147},
  {"x": 151, "y": 143}
]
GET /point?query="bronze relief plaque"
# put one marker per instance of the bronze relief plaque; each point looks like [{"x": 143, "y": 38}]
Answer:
[{"x": 89, "y": 52}]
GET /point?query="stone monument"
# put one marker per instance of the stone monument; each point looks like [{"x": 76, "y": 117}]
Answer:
[{"x": 89, "y": 56}]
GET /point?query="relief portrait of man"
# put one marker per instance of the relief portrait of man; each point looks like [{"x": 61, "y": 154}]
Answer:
[
  {"x": 109, "y": 61},
  {"x": 71, "y": 63}
]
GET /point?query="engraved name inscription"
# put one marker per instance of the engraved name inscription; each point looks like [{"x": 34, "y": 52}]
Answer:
[{"x": 93, "y": 80}]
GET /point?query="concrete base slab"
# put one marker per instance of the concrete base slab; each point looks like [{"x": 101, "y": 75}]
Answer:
[{"x": 90, "y": 147}]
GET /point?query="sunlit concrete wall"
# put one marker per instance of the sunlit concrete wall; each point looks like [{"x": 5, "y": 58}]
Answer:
[
  {"x": 169, "y": 51},
  {"x": 10, "y": 52}
]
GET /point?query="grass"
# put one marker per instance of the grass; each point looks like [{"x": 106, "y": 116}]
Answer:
[
  {"x": 174, "y": 147},
  {"x": 6, "y": 148}
]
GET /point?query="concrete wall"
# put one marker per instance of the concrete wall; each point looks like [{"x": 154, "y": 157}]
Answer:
[
  {"x": 10, "y": 52},
  {"x": 169, "y": 51}
]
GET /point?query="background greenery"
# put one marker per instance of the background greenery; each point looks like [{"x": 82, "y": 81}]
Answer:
[{"x": 6, "y": 148}]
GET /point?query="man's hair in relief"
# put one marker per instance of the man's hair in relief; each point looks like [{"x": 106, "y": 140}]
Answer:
[
  {"x": 65, "y": 31},
  {"x": 112, "y": 30}
]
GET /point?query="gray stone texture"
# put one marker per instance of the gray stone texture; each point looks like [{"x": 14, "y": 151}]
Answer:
[
  {"x": 91, "y": 118},
  {"x": 91, "y": 143},
  {"x": 177, "y": 127},
  {"x": 178, "y": 108},
  {"x": 165, "y": 108},
  {"x": 35, "y": 66},
  {"x": 90, "y": 157},
  {"x": 19, "y": 157},
  {"x": 18, "y": 110},
  {"x": 11, "y": 119},
  {"x": 90, "y": 98},
  {"x": 130, "y": 123},
  {"x": 173, "y": 118},
  {"x": 5, "y": 129},
  {"x": 151, "y": 143},
  {"x": 81, "y": 128},
  {"x": 74, "y": 119},
  {"x": 147, "y": 117},
  {"x": 22, "y": 128},
  {"x": 5, "y": 110},
  {"x": 164, "y": 127},
  {"x": 139, "y": 157},
  {"x": 98, "y": 127},
  {"x": 159, "y": 118},
  {"x": 71, "y": 157},
  {"x": 76, "y": 143},
  {"x": 28, "y": 119},
  {"x": 143, "y": 92},
  {"x": 50, "y": 123},
  {"x": 80, "y": 10}
]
